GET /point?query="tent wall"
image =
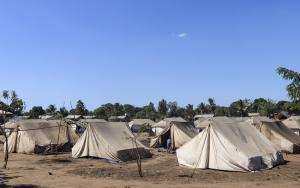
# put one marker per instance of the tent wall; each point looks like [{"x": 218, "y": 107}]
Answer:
[
  {"x": 110, "y": 140},
  {"x": 41, "y": 137},
  {"x": 281, "y": 136},
  {"x": 230, "y": 146}
]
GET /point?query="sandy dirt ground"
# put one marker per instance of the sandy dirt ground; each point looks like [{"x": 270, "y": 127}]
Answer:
[{"x": 160, "y": 171}]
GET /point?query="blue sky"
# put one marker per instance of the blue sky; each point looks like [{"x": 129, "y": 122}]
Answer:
[{"x": 136, "y": 51}]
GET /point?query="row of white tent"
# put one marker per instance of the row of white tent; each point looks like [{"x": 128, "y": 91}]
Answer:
[
  {"x": 108, "y": 140},
  {"x": 234, "y": 144}
]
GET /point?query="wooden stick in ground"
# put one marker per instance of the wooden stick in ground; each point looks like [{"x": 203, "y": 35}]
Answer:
[
  {"x": 2, "y": 129},
  {"x": 138, "y": 159}
]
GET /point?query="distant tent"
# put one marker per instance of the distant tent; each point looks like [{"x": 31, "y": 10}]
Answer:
[
  {"x": 74, "y": 117},
  {"x": 179, "y": 132},
  {"x": 203, "y": 116},
  {"x": 277, "y": 133},
  {"x": 293, "y": 123},
  {"x": 40, "y": 137},
  {"x": 202, "y": 123},
  {"x": 47, "y": 117},
  {"x": 137, "y": 125},
  {"x": 2, "y": 112},
  {"x": 229, "y": 145},
  {"x": 158, "y": 127},
  {"x": 109, "y": 140},
  {"x": 82, "y": 124}
]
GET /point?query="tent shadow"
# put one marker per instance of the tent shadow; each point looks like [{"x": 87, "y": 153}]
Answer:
[{"x": 4, "y": 178}]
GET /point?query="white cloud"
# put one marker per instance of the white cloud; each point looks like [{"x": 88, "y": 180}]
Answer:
[{"x": 182, "y": 35}]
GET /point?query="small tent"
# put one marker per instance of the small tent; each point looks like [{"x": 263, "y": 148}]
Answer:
[
  {"x": 40, "y": 137},
  {"x": 277, "y": 133},
  {"x": 82, "y": 124},
  {"x": 179, "y": 132},
  {"x": 158, "y": 127},
  {"x": 229, "y": 145},
  {"x": 136, "y": 125},
  {"x": 109, "y": 140},
  {"x": 293, "y": 123}
]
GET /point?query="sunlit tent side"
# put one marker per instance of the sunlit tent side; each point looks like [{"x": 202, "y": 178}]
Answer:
[
  {"x": 40, "y": 137},
  {"x": 293, "y": 123},
  {"x": 231, "y": 146},
  {"x": 277, "y": 133},
  {"x": 179, "y": 132},
  {"x": 109, "y": 140},
  {"x": 137, "y": 125}
]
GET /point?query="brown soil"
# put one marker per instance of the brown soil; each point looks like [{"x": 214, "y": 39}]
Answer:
[{"x": 160, "y": 171}]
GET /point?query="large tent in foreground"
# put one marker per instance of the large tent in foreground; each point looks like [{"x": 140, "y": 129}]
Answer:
[
  {"x": 179, "y": 132},
  {"x": 40, "y": 137},
  {"x": 293, "y": 123},
  {"x": 229, "y": 145},
  {"x": 109, "y": 140},
  {"x": 277, "y": 133}
]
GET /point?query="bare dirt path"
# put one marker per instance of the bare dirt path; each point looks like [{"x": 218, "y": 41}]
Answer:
[{"x": 160, "y": 171}]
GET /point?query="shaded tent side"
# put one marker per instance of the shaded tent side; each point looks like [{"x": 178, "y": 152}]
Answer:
[
  {"x": 179, "y": 132},
  {"x": 110, "y": 140},
  {"x": 281, "y": 136},
  {"x": 293, "y": 123}
]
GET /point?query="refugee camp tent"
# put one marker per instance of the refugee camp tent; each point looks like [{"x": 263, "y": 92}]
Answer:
[
  {"x": 293, "y": 123},
  {"x": 202, "y": 123},
  {"x": 47, "y": 117},
  {"x": 74, "y": 117},
  {"x": 229, "y": 145},
  {"x": 277, "y": 133},
  {"x": 109, "y": 140},
  {"x": 179, "y": 132},
  {"x": 203, "y": 116},
  {"x": 41, "y": 137},
  {"x": 81, "y": 125},
  {"x": 136, "y": 125},
  {"x": 158, "y": 127}
]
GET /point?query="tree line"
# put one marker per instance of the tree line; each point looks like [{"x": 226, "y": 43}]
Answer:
[{"x": 265, "y": 107}]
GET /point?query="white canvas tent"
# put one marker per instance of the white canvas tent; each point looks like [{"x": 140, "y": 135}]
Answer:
[
  {"x": 179, "y": 132},
  {"x": 277, "y": 133},
  {"x": 229, "y": 145},
  {"x": 81, "y": 125},
  {"x": 40, "y": 137},
  {"x": 109, "y": 140},
  {"x": 293, "y": 123},
  {"x": 137, "y": 125},
  {"x": 158, "y": 127}
]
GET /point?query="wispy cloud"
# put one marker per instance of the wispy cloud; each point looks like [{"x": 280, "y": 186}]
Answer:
[{"x": 182, "y": 35}]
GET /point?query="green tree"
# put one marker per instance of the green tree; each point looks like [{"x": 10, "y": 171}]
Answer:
[
  {"x": 173, "y": 109},
  {"x": 239, "y": 108},
  {"x": 162, "y": 108},
  {"x": 129, "y": 110},
  {"x": 36, "y": 111},
  {"x": 63, "y": 112},
  {"x": 12, "y": 102},
  {"x": 80, "y": 108},
  {"x": 51, "y": 109},
  {"x": 221, "y": 111},
  {"x": 294, "y": 87},
  {"x": 201, "y": 109},
  {"x": 150, "y": 111},
  {"x": 211, "y": 105},
  {"x": 118, "y": 109},
  {"x": 189, "y": 112}
]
